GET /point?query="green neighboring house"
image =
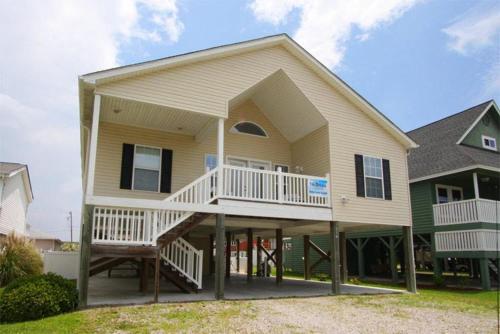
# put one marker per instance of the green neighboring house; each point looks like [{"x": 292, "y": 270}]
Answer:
[{"x": 455, "y": 193}]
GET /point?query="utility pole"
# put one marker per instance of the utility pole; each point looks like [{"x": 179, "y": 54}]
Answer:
[{"x": 70, "y": 218}]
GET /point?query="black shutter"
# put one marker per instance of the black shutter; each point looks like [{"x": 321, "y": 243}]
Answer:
[
  {"x": 360, "y": 175},
  {"x": 387, "y": 179},
  {"x": 166, "y": 171},
  {"x": 127, "y": 166}
]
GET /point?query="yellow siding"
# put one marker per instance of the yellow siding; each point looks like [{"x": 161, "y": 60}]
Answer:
[
  {"x": 188, "y": 155},
  {"x": 312, "y": 153},
  {"x": 206, "y": 87}
]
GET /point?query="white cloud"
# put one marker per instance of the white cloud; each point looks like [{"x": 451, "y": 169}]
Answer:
[
  {"x": 491, "y": 82},
  {"x": 45, "y": 46},
  {"x": 325, "y": 25},
  {"x": 475, "y": 30},
  {"x": 476, "y": 34}
]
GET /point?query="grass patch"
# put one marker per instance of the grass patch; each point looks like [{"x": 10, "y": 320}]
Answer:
[
  {"x": 232, "y": 316},
  {"x": 475, "y": 301},
  {"x": 165, "y": 318}
]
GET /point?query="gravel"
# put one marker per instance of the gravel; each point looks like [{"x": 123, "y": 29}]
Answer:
[{"x": 357, "y": 315}]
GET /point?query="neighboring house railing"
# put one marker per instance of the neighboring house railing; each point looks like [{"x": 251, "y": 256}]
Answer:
[
  {"x": 470, "y": 240},
  {"x": 186, "y": 259},
  {"x": 468, "y": 211}
]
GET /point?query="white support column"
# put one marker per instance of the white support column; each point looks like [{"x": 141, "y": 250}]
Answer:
[
  {"x": 476, "y": 186},
  {"x": 93, "y": 145},
  {"x": 220, "y": 154}
]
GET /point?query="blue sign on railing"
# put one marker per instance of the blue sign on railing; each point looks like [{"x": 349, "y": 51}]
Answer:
[{"x": 318, "y": 187}]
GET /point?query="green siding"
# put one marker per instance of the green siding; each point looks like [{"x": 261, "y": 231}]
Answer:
[
  {"x": 488, "y": 126},
  {"x": 294, "y": 257},
  {"x": 422, "y": 197}
]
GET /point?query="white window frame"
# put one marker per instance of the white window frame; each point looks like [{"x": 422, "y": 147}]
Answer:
[
  {"x": 235, "y": 131},
  {"x": 281, "y": 165},
  {"x": 491, "y": 139},
  {"x": 449, "y": 193},
  {"x": 248, "y": 160},
  {"x": 374, "y": 177},
  {"x": 134, "y": 167}
]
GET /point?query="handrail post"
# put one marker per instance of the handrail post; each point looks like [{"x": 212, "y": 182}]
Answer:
[
  {"x": 200, "y": 268},
  {"x": 280, "y": 186},
  {"x": 155, "y": 227}
]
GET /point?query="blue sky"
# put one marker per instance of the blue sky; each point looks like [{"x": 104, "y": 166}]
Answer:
[{"x": 416, "y": 61}]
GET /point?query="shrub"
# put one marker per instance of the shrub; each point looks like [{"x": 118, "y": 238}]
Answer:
[
  {"x": 18, "y": 258},
  {"x": 322, "y": 277},
  {"x": 70, "y": 247},
  {"x": 354, "y": 281},
  {"x": 438, "y": 281},
  {"x": 36, "y": 297}
]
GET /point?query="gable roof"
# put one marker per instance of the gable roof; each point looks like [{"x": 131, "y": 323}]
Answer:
[
  {"x": 439, "y": 151},
  {"x": 9, "y": 169},
  {"x": 119, "y": 73}
]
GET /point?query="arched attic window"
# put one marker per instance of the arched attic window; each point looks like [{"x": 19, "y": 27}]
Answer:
[{"x": 249, "y": 128}]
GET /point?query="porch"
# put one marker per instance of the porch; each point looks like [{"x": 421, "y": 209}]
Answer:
[
  {"x": 467, "y": 212},
  {"x": 123, "y": 290}
]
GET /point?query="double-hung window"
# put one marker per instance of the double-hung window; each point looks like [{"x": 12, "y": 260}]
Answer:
[
  {"x": 147, "y": 167},
  {"x": 489, "y": 143},
  {"x": 373, "y": 177}
]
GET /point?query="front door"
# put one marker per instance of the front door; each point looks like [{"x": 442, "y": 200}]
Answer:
[{"x": 244, "y": 183}]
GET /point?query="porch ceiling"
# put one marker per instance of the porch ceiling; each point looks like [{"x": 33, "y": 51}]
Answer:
[
  {"x": 122, "y": 111},
  {"x": 284, "y": 104}
]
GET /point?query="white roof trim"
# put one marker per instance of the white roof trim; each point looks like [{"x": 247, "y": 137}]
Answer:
[
  {"x": 492, "y": 103},
  {"x": 26, "y": 180},
  {"x": 284, "y": 40},
  {"x": 454, "y": 171}
]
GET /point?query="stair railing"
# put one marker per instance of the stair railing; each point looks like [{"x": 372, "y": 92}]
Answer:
[
  {"x": 203, "y": 190},
  {"x": 185, "y": 259},
  {"x": 127, "y": 226}
]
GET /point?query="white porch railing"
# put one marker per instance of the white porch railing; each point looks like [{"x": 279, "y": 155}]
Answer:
[
  {"x": 113, "y": 225},
  {"x": 123, "y": 226},
  {"x": 468, "y": 211},
  {"x": 275, "y": 187},
  {"x": 186, "y": 259},
  {"x": 470, "y": 240},
  {"x": 145, "y": 226}
]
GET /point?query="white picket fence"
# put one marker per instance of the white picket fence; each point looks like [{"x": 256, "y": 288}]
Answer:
[
  {"x": 468, "y": 211},
  {"x": 468, "y": 240}
]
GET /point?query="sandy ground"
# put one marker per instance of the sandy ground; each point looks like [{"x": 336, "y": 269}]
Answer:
[{"x": 345, "y": 315}]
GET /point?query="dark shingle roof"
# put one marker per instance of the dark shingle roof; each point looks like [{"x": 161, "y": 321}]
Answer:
[
  {"x": 439, "y": 152},
  {"x": 6, "y": 168}
]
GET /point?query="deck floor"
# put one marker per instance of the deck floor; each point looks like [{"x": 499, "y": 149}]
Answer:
[{"x": 125, "y": 291}]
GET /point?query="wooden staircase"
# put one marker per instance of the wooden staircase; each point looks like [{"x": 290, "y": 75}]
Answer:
[
  {"x": 112, "y": 256},
  {"x": 176, "y": 278},
  {"x": 106, "y": 263},
  {"x": 181, "y": 229}
]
